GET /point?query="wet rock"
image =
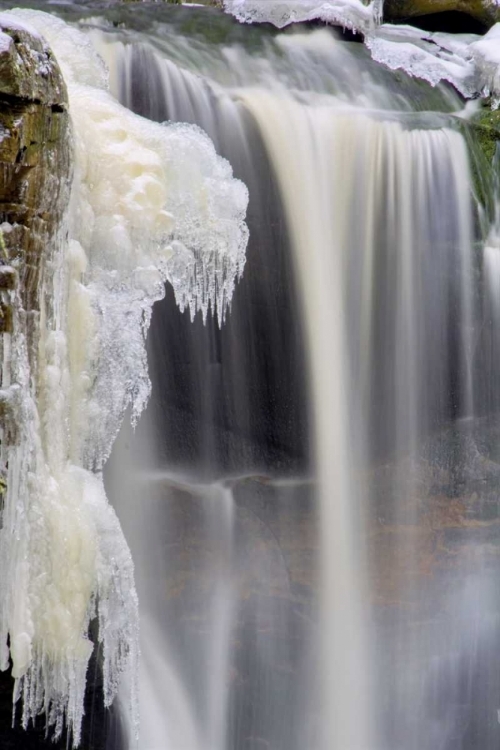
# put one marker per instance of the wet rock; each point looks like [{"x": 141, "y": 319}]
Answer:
[
  {"x": 486, "y": 127},
  {"x": 484, "y": 11},
  {"x": 34, "y": 186},
  {"x": 34, "y": 165}
]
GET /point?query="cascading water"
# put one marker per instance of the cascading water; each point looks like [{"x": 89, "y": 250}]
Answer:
[
  {"x": 308, "y": 495},
  {"x": 364, "y": 191}
]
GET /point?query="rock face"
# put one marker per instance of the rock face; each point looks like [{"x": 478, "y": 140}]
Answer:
[
  {"x": 484, "y": 11},
  {"x": 34, "y": 164},
  {"x": 487, "y": 129},
  {"x": 34, "y": 185}
]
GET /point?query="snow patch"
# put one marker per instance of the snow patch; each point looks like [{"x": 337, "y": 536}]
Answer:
[
  {"x": 5, "y": 43},
  {"x": 467, "y": 61},
  {"x": 486, "y": 55},
  {"x": 431, "y": 56},
  {"x": 11, "y": 20},
  {"x": 351, "y": 14}
]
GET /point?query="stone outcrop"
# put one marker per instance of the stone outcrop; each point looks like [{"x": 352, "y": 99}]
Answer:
[
  {"x": 34, "y": 163},
  {"x": 484, "y": 11},
  {"x": 34, "y": 188},
  {"x": 486, "y": 124}
]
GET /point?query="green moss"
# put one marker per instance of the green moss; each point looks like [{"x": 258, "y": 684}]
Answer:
[
  {"x": 487, "y": 130},
  {"x": 482, "y": 136},
  {"x": 213, "y": 29}
]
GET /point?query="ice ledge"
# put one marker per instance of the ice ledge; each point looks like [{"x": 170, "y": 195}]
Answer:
[
  {"x": 469, "y": 62},
  {"x": 351, "y": 14}
]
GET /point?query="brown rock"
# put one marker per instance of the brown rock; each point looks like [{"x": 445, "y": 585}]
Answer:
[
  {"x": 34, "y": 166},
  {"x": 484, "y": 11}
]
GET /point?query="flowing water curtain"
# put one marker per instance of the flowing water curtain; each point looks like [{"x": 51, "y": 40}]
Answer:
[
  {"x": 148, "y": 203},
  {"x": 378, "y": 273},
  {"x": 491, "y": 313},
  {"x": 395, "y": 336}
]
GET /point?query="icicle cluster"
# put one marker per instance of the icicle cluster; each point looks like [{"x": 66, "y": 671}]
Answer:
[{"x": 148, "y": 203}]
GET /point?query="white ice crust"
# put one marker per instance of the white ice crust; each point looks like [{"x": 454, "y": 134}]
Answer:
[
  {"x": 148, "y": 203},
  {"x": 469, "y": 62},
  {"x": 5, "y": 43},
  {"x": 351, "y": 14},
  {"x": 486, "y": 55},
  {"x": 432, "y": 56}
]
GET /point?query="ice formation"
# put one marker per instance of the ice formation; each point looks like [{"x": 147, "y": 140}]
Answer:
[
  {"x": 486, "y": 55},
  {"x": 351, "y": 14},
  {"x": 432, "y": 56},
  {"x": 469, "y": 62},
  {"x": 148, "y": 203}
]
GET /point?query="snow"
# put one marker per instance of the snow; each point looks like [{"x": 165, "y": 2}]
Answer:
[
  {"x": 5, "y": 42},
  {"x": 352, "y": 14},
  {"x": 467, "y": 61},
  {"x": 486, "y": 55},
  {"x": 11, "y": 21},
  {"x": 434, "y": 57}
]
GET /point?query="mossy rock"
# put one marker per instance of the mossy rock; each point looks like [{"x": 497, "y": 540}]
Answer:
[
  {"x": 28, "y": 69},
  {"x": 34, "y": 157},
  {"x": 482, "y": 134},
  {"x": 487, "y": 130}
]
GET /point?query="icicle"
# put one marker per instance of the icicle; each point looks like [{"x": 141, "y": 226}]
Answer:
[{"x": 149, "y": 203}]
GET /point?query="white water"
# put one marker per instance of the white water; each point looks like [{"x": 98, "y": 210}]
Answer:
[
  {"x": 319, "y": 150},
  {"x": 175, "y": 712},
  {"x": 148, "y": 203},
  {"x": 319, "y": 221},
  {"x": 363, "y": 202}
]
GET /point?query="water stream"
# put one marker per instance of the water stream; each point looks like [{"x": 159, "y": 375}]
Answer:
[
  {"x": 310, "y": 496},
  {"x": 384, "y": 287}
]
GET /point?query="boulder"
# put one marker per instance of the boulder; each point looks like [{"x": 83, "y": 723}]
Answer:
[
  {"x": 484, "y": 11},
  {"x": 34, "y": 164}
]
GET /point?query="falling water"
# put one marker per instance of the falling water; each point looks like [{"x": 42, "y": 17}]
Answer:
[
  {"x": 364, "y": 190},
  {"x": 305, "y": 494}
]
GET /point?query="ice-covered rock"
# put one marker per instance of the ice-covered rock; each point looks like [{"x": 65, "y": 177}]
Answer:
[
  {"x": 486, "y": 55},
  {"x": 431, "y": 56},
  {"x": 351, "y": 14},
  {"x": 148, "y": 203},
  {"x": 469, "y": 62}
]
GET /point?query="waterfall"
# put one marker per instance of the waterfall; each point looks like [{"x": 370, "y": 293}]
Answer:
[
  {"x": 307, "y": 484},
  {"x": 363, "y": 191}
]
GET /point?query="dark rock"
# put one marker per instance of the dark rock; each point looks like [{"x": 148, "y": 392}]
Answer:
[
  {"x": 34, "y": 162},
  {"x": 484, "y": 11}
]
